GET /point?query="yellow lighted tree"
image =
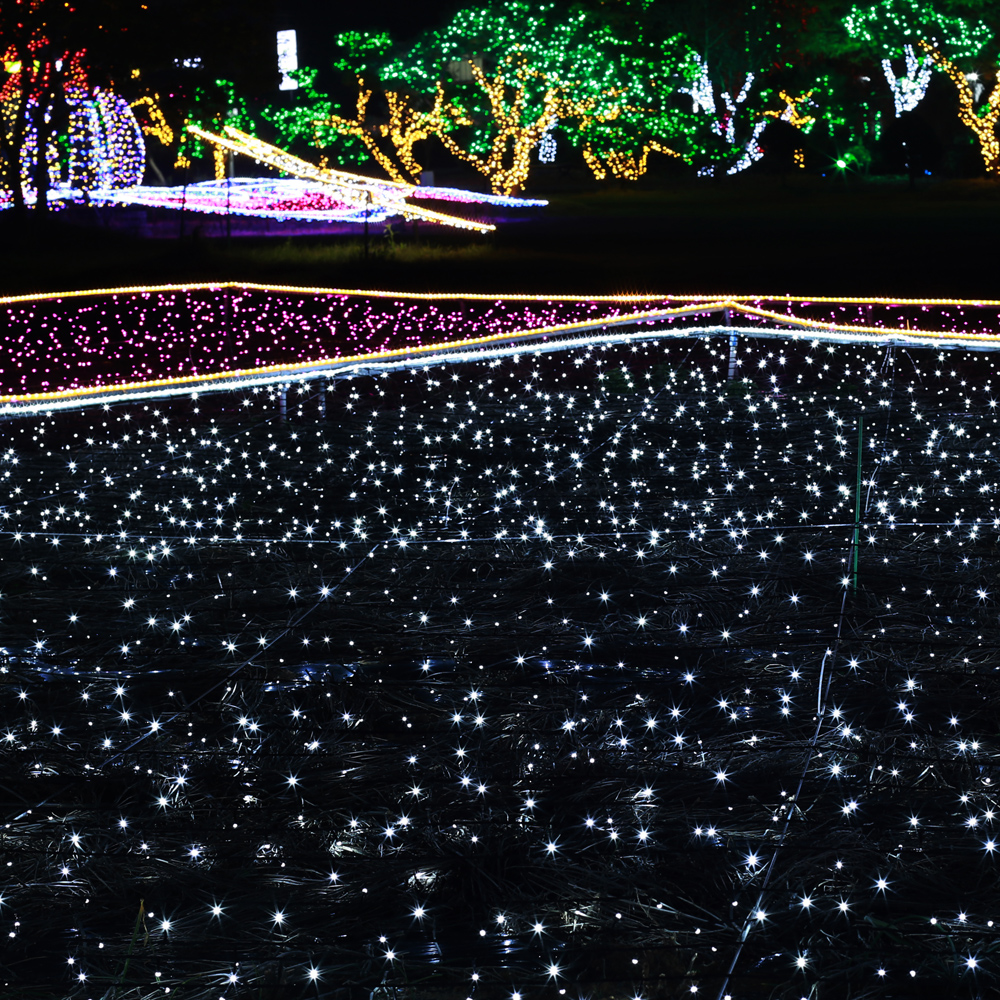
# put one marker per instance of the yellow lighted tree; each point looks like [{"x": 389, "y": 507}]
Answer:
[
  {"x": 407, "y": 126},
  {"x": 982, "y": 123},
  {"x": 362, "y": 129},
  {"x": 626, "y": 166},
  {"x": 516, "y": 130}
]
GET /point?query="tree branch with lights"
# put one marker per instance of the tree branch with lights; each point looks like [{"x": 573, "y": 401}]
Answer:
[
  {"x": 515, "y": 129},
  {"x": 982, "y": 121}
]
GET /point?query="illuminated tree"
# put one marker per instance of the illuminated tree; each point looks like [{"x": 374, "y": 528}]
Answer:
[
  {"x": 388, "y": 139},
  {"x": 571, "y": 76},
  {"x": 66, "y": 69},
  {"x": 982, "y": 121},
  {"x": 409, "y": 125},
  {"x": 310, "y": 117},
  {"x": 517, "y": 127},
  {"x": 728, "y": 140},
  {"x": 362, "y": 129},
  {"x": 891, "y": 30},
  {"x": 60, "y": 130},
  {"x": 211, "y": 108},
  {"x": 42, "y": 69}
]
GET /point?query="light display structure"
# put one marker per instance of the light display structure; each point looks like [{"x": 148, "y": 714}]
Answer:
[
  {"x": 102, "y": 146},
  {"x": 588, "y": 669}
]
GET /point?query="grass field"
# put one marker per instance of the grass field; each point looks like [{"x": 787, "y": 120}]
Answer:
[{"x": 802, "y": 235}]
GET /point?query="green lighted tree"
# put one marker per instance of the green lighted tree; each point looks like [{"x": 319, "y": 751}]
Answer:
[
  {"x": 893, "y": 32},
  {"x": 211, "y": 108},
  {"x": 885, "y": 29},
  {"x": 387, "y": 136},
  {"x": 521, "y": 71}
]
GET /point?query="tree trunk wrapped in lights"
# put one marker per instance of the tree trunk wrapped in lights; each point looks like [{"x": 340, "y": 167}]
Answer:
[
  {"x": 730, "y": 141},
  {"x": 408, "y": 125},
  {"x": 363, "y": 130},
  {"x": 984, "y": 126},
  {"x": 517, "y": 130}
]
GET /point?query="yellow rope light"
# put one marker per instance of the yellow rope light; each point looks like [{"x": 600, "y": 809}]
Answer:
[
  {"x": 355, "y": 189},
  {"x": 701, "y": 299}
]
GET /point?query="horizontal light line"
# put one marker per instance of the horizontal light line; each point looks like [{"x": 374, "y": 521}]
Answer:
[{"x": 498, "y": 297}]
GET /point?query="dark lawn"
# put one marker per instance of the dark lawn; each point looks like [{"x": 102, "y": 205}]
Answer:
[{"x": 802, "y": 236}]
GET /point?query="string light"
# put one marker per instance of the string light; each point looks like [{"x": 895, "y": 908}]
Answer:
[
  {"x": 565, "y": 74},
  {"x": 169, "y": 366},
  {"x": 890, "y": 26},
  {"x": 206, "y": 116},
  {"x": 984, "y": 122},
  {"x": 908, "y": 90},
  {"x": 408, "y": 126},
  {"x": 100, "y": 146},
  {"x": 624, "y": 165},
  {"x": 724, "y": 122},
  {"x": 157, "y": 125},
  {"x": 359, "y": 128},
  {"x": 791, "y": 113},
  {"x": 732, "y": 842},
  {"x": 516, "y": 134},
  {"x": 289, "y": 199},
  {"x": 355, "y": 189}
]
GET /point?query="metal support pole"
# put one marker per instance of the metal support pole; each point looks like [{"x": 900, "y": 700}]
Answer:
[
  {"x": 727, "y": 319},
  {"x": 857, "y": 507},
  {"x": 324, "y": 385},
  {"x": 282, "y": 403},
  {"x": 368, "y": 208}
]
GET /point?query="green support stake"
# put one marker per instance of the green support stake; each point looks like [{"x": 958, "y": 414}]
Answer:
[{"x": 857, "y": 506}]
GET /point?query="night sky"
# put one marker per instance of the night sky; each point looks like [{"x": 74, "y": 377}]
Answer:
[{"x": 318, "y": 21}]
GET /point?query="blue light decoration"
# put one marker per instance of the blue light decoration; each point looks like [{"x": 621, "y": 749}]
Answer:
[
  {"x": 103, "y": 148},
  {"x": 564, "y": 665},
  {"x": 290, "y": 199}
]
